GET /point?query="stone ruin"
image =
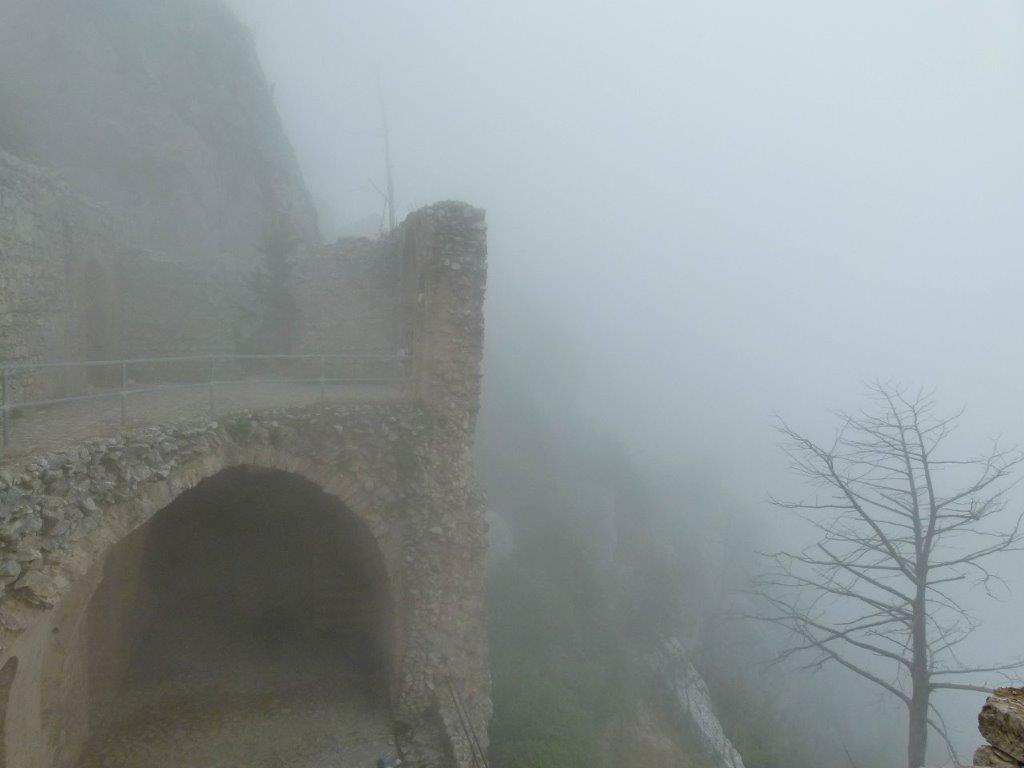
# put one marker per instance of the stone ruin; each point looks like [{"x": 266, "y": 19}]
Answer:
[
  {"x": 136, "y": 237},
  {"x": 391, "y": 483}
]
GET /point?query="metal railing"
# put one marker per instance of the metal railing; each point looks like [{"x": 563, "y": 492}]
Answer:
[
  {"x": 476, "y": 751},
  {"x": 35, "y": 386}
]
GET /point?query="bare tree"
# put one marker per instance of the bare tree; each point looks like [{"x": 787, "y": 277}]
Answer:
[
  {"x": 388, "y": 194},
  {"x": 392, "y": 213},
  {"x": 898, "y": 526}
]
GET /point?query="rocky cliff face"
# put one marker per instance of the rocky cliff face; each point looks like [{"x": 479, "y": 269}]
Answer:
[
  {"x": 159, "y": 109},
  {"x": 687, "y": 702},
  {"x": 1001, "y": 722},
  {"x": 690, "y": 702},
  {"x": 142, "y": 160},
  {"x": 669, "y": 717}
]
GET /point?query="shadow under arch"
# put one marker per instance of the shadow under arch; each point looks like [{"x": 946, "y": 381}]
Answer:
[{"x": 254, "y": 590}]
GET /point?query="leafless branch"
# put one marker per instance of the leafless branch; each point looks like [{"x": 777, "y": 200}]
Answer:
[{"x": 897, "y": 537}]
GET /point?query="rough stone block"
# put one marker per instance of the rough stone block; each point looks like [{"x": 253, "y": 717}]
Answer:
[
  {"x": 1001, "y": 721},
  {"x": 990, "y": 757}
]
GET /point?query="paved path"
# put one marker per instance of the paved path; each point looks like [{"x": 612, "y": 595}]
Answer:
[{"x": 58, "y": 426}]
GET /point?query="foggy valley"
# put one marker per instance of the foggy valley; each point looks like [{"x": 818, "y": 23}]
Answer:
[{"x": 534, "y": 385}]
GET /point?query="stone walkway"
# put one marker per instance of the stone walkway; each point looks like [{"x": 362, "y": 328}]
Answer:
[
  {"x": 54, "y": 427},
  {"x": 215, "y": 702},
  {"x": 295, "y": 726}
]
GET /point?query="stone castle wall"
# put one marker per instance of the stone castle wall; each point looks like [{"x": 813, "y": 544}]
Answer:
[
  {"x": 77, "y": 283},
  {"x": 349, "y": 296},
  {"x": 402, "y": 471},
  {"x": 405, "y": 469},
  {"x": 55, "y": 250},
  {"x": 141, "y": 247},
  {"x": 33, "y": 261},
  {"x": 170, "y": 309}
]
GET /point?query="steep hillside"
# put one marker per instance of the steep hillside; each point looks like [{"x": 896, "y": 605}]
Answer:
[{"x": 158, "y": 108}]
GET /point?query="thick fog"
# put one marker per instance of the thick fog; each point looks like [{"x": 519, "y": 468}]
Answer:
[{"x": 702, "y": 213}]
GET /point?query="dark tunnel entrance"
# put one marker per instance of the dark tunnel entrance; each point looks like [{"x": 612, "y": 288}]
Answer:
[{"x": 248, "y": 624}]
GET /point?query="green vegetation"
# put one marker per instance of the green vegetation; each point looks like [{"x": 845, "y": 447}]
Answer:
[
  {"x": 608, "y": 558},
  {"x": 554, "y": 654},
  {"x": 579, "y": 590},
  {"x": 748, "y": 702}
]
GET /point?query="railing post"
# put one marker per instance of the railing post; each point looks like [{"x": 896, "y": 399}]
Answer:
[
  {"x": 213, "y": 379},
  {"x": 323, "y": 379},
  {"x": 124, "y": 396},
  {"x": 4, "y": 414}
]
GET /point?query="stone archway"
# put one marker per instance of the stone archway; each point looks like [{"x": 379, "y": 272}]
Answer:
[
  {"x": 253, "y": 613},
  {"x": 401, "y": 474}
]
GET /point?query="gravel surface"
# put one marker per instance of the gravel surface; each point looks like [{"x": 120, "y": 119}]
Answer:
[
  {"x": 289, "y": 728},
  {"x": 252, "y": 711}
]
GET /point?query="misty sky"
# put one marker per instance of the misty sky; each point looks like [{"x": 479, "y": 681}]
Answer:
[
  {"x": 702, "y": 213},
  {"x": 728, "y": 209}
]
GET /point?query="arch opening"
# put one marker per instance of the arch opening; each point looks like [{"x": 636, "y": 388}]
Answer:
[{"x": 248, "y": 620}]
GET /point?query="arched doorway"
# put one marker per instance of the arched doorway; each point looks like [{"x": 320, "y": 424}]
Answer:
[{"x": 249, "y": 624}]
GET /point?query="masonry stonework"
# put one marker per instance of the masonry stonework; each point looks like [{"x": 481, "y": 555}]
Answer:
[
  {"x": 77, "y": 282},
  {"x": 50, "y": 241},
  {"x": 348, "y": 292},
  {"x": 404, "y": 468}
]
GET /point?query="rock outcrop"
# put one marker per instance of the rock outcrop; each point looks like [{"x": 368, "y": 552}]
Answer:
[
  {"x": 690, "y": 701},
  {"x": 668, "y": 717},
  {"x": 990, "y": 757},
  {"x": 159, "y": 109},
  {"x": 142, "y": 160},
  {"x": 1001, "y": 722}
]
